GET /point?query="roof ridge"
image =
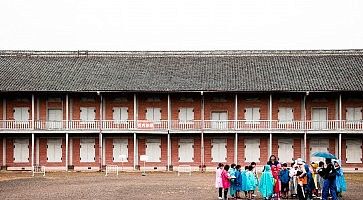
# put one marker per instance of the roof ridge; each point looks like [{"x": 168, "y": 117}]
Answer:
[{"x": 202, "y": 53}]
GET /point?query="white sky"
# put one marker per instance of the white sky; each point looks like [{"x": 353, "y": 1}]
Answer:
[{"x": 180, "y": 25}]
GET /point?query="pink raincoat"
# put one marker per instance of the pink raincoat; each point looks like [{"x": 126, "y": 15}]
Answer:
[
  {"x": 225, "y": 179},
  {"x": 219, "y": 178}
]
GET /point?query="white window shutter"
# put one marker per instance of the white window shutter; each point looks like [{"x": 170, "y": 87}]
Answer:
[
  {"x": 91, "y": 114},
  {"x": 290, "y": 114},
  {"x": 83, "y": 114},
  {"x": 25, "y": 114},
  {"x": 248, "y": 114},
  {"x": 124, "y": 114},
  {"x": 157, "y": 114},
  {"x": 149, "y": 114},
  {"x": 358, "y": 114},
  {"x": 256, "y": 113},
  {"x": 190, "y": 114},
  {"x": 116, "y": 113},
  {"x": 17, "y": 114},
  {"x": 183, "y": 114},
  {"x": 281, "y": 114}
]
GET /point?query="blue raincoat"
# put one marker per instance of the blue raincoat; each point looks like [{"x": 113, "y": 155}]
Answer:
[
  {"x": 232, "y": 189},
  {"x": 244, "y": 180},
  {"x": 266, "y": 185},
  {"x": 239, "y": 180},
  {"x": 251, "y": 181},
  {"x": 340, "y": 179}
]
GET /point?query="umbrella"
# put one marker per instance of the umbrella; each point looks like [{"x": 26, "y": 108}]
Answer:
[{"x": 324, "y": 155}]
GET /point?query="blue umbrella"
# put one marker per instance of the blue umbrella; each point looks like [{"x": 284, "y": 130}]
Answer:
[{"x": 324, "y": 155}]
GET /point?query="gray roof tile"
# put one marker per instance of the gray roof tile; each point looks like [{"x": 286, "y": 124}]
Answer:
[{"x": 245, "y": 71}]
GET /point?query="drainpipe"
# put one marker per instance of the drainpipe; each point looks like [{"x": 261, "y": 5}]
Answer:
[
  {"x": 305, "y": 127},
  {"x": 169, "y": 127},
  {"x": 33, "y": 139},
  {"x": 135, "y": 137},
  {"x": 202, "y": 161},
  {"x": 67, "y": 139},
  {"x": 235, "y": 128},
  {"x": 340, "y": 127},
  {"x": 100, "y": 146},
  {"x": 270, "y": 124}
]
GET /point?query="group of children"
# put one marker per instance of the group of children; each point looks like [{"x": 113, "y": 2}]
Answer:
[
  {"x": 301, "y": 180},
  {"x": 236, "y": 180}
]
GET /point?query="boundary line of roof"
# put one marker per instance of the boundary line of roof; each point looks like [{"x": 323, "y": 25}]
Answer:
[{"x": 216, "y": 53}]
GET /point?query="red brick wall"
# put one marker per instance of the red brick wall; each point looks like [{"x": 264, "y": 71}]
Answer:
[
  {"x": 76, "y": 154},
  {"x": 1, "y": 151},
  {"x": 43, "y": 154},
  {"x": 11, "y": 103},
  {"x": 264, "y": 150},
  {"x": 320, "y": 101},
  {"x": 164, "y": 149},
  {"x": 1, "y": 109},
  {"x": 109, "y": 153},
  {"x": 261, "y": 102},
  {"x": 44, "y": 105},
  {"x": 240, "y": 150},
  {"x": 210, "y": 106},
  {"x": 298, "y": 152},
  {"x": 77, "y": 104},
  {"x": 143, "y": 104},
  {"x": 294, "y": 103},
  {"x": 175, "y": 151},
  {"x": 350, "y": 102},
  {"x": 176, "y": 104},
  {"x": 208, "y": 151},
  {"x": 110, "y": 103},
  {"x": 10, "y": 154},
  {"x": 344, "y": 154}
]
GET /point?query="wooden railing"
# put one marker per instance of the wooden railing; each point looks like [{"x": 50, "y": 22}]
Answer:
[{"x": 208, "y": 125}]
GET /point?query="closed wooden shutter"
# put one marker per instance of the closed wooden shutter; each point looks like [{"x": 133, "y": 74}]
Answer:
[
  {"x": 252, "y": 150},
  {"x": 153, "y": 150},
  {"x": 354, "y": 151},
  {"x": 120, "y": 147},
  {"x": 219, "y": 150}
]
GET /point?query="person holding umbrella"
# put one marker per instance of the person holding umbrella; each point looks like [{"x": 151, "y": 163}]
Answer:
[{"x": 329, "y": 176}]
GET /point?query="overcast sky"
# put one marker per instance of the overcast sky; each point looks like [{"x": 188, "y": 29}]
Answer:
[{"x": 180, "y": 25}]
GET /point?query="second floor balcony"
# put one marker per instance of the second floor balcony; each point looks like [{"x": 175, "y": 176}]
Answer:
[{"x": 177, "y": 125}]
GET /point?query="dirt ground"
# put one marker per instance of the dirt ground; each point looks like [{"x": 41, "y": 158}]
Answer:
[{"x": 81, "y": 185}]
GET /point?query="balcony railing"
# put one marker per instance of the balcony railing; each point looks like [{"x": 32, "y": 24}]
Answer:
[{"x": 207, "y": 125}]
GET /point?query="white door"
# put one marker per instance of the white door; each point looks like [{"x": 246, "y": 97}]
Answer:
[
  {"x": 153, "y": 150},
  {"x": 318, "y": 145},
  {"x": 55, "y": 117},
  {"x": 87, "y": 150},
  {"x": 219, "y": 120},
  {"x": 319, "y": 117},
  {"x": 120, "y": 150},
  {"x": 285, "y": 150},
  {"x": 252, "y": 150},
  {"x": 219, "y": 150},
  {"x": 54, "y": 150},
  {"x": 186, "y": 150},
  {"x": 354, "y": 151},
  {"x": 21, "y": 150}
]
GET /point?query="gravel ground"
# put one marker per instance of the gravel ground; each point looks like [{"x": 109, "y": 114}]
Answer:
[{"x": 75, "y": 185}]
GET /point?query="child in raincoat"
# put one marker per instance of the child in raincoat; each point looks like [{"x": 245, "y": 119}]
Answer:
[
  {"x": 285, "y": 179},
  {"x": 232, "y": 171},
  {"x": 340, "y": 179},
  {"x": 219, "y": 185},
  {"x": 244, "y": 181},
  {"x": 293, "y": 180},
  {"x": 310, "y": 185},
  {"x": 238, "y": 181},
  {"x": 266, "y": 184},
  {"x": 225, "y": 180},
  {"x": 251, "y": 182},
  {"x": 275, "y": 174}
]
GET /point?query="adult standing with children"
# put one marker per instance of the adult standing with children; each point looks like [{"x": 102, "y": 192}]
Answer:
[{"x": 329, "y": 185}]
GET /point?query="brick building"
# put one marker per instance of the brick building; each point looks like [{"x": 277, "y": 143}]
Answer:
[{"x": 83, "y": 110}]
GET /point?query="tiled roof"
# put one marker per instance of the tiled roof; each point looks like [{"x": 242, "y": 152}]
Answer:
[{"x": 244, "y": 71}]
